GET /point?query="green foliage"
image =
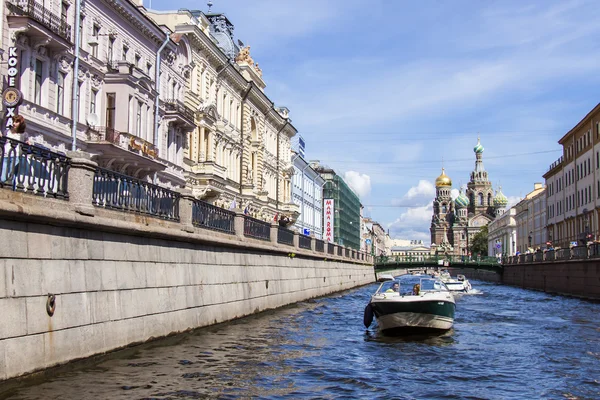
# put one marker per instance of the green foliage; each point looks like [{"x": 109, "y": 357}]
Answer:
[{"x": 479, "y": 243}]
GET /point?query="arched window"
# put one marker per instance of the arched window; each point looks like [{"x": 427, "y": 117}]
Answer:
[
  {"x": 489, "y": 203},
  {"x": 480, "y": 199},
  {"x": 444, "y": 208}
]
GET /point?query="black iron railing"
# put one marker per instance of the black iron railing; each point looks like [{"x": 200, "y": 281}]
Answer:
[
  {"x": 42, "y": 15},
  {"x": 257, "y": 229},
  {"x": 178, "y": 107},
  {"x": 340, "y": 251},
  {"x": 122, "y": 192},
  {"x": 304, "y": 242},
  {"x": 285, "y": 236},
  {"x": 320, "y": 246},
  {"x": 330, "y": 248},
  {"x": 34, "y": 169},
  {"x": 205, "y": 215}
]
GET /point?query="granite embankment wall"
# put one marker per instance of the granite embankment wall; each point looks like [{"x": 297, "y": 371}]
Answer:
[
  {"x": 580, "y": 278},
  {"x": 119, "y": 278}
]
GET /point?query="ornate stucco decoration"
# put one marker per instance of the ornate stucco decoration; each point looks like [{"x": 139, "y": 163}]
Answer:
[{"x": 245, "y": 57}]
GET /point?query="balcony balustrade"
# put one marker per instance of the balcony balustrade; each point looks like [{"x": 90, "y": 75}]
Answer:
[
  {"x": 42, "y": 15},
  {"x": 182, "y": 113},
  {"x": 320, "y": 246}
]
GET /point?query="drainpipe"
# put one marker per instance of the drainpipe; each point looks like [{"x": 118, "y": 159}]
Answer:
[
  {"x": 157, "y": 84},
  {"x": 156, "y": 101},
  {"x": 75, "y": 102}
]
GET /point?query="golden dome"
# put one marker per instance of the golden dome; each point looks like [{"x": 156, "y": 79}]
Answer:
[{"x": 443, "y": 180}]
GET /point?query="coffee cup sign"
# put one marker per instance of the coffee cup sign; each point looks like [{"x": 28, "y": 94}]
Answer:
[{"x": 12, "y": 96}]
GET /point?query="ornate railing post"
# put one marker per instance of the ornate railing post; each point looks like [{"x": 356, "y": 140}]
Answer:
[
  {"x": 239, "y": 224},
  {"x": 81, "y": 182},
  {"x": 296, "y": 240},
  {"x": 313, "y": 243},
  {"x": 274, "y": 232},
  {"x": 186, "y": 206}
]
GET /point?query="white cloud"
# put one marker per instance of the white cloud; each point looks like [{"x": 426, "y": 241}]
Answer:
[
  {"x": 413, "y": 224},
  {"x": 360, "y": 183}
]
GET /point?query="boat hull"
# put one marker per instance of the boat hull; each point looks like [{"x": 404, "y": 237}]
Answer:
[{"x": 414, "y": 313}]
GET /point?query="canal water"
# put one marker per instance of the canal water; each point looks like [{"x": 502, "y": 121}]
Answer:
[{"x": 507, "y": 343}]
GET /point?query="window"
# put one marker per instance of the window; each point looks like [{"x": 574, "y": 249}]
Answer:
[
  {"x": 111, "y": 48},
  {"x": 124, "y": 54},
  {"x": 148, "y": 68},
  {"x": 81, "y": 30},
  {"x": 138, "y": 119},
  {"x": 95, "y": 37},
  {"x": 110, "y": 110},
  {"x": 64, "y": 9},
  {"x": 37, "y": 95},
  {"x": 79, "y": 87},
  {"x": 60, "y": 93},
  {"x": 137, "y": 60},
  {"x": 93, "y": 101},
  {"x": 480, "y": 199}
]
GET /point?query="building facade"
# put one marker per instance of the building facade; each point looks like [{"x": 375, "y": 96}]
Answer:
[
  {"x": 164, "y": 97},
  {"x": 573, "y": 185},
  {"x": 502, "y": 234},
  {"x": 307, "y": 194},
  {"x": 454, "y": 222},
  {"x": 240, "y": 150},
  {"x": 530, "y": 218},
  {"x": 347, "y": 208},
  {"x": 410, "y": 253}
]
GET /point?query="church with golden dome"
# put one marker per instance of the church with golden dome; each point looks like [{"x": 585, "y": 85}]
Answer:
[{"x": 455, "y": 221}]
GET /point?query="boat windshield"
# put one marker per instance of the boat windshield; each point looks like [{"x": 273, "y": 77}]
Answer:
[
  {"x": 432, "y": 285},
  {"x": 389, "y": 287}
]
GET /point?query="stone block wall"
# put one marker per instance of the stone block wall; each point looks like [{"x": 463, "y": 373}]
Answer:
[
  {"x": 579, "y": 278},
  {"x": 115, "y": 289}
]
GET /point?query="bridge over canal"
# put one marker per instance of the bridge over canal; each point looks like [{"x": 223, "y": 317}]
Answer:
[{"x": 485, "y": 268}]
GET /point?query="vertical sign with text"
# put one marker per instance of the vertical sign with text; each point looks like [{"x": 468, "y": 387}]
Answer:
[
  {"x": 328, "y": 217},
  {"x": 12, "y": 96}
]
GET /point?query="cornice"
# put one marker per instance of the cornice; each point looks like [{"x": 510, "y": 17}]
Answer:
[{"x": 138, "y": 19}]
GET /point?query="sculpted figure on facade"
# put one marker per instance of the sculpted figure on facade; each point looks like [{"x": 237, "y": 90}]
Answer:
[{"x": 244, "y": 56}]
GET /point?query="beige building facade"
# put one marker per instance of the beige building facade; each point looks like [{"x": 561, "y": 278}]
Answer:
[
  {"x": 573, "y": 185},
  {"x": 530, "y": 218},
  {"x": 239, "y": 151}
]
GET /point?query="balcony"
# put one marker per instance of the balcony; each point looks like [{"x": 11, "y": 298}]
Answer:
[
  {"x": 206, "y": 179},
  {"x": 179, "y": 113},
  {"x": 40, "y": 23},
  {"x": 111, "y": 146}
]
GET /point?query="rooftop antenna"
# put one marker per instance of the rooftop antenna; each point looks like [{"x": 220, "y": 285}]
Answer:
[{"x": 209, "y": 4}]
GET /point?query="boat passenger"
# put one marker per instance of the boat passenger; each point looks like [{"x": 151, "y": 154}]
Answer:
[
  {"x": 416, "y": 289},
  {"x": 395, "y": 288}
]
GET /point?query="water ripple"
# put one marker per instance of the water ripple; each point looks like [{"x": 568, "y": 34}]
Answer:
[{"x": 507, "y": 343}]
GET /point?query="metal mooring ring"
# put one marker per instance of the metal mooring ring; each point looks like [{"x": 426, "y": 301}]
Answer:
[{"x": 51, "y": 304}]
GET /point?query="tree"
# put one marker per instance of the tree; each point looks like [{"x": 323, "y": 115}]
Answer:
[{"x": 479, "y": 243}]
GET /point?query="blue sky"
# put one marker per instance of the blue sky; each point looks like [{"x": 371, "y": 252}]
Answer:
[{"x": 384, "y": 90}]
